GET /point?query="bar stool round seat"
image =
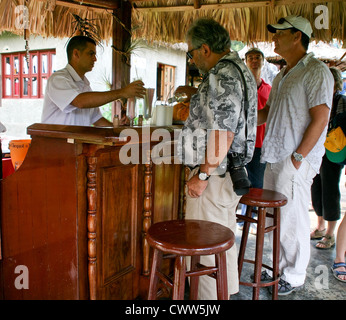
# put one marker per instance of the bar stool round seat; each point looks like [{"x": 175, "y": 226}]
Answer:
[
  {"x": 180, "y": 238},
  {"x": 262, "y": 199}
]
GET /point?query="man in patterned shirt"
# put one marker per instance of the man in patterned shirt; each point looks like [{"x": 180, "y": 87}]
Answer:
[
  {"x": 296, "y": 113},
  {"x": 216, "y": 126}
]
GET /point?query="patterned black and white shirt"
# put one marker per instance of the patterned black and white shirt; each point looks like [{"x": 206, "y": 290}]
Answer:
[{"x": 219, "y": 105}]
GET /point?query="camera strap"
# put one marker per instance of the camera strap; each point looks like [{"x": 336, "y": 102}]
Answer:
[{"x": 246, "y": 100}]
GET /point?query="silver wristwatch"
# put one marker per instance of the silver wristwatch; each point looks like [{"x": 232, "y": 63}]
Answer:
[
  {"x": 297, "y": 156},
  {"x": 203, "y": 176}
]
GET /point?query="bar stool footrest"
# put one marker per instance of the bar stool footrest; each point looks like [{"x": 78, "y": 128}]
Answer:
[
  {"x": 165, "y": 279},
  {"x": 202, "y": 270},
  {"x": 260, "y": 284}
]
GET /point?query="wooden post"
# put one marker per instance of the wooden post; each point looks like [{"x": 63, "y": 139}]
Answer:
[
  {"x": 91, "y": 225},
  {"x": 121, "y": 38},
  {"x": 186, "y": 179},
  {"x": 147, "y": 214}
]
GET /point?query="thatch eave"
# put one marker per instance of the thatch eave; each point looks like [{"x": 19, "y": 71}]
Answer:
[
  {"x": 246, "y": 20},
  {"x": 167, "y": 20}
]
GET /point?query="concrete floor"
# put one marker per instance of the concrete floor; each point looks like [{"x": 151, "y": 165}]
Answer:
[{"x": 320, "y": 283}]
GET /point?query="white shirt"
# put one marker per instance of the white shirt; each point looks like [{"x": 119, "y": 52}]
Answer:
[
  {"x": 62, "y": 87},
  {"x": 308, "y": 84}
]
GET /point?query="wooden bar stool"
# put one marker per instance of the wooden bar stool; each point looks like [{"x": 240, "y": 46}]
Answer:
[
  {"x": 262, "y": 199},
  {"x": 181, "y": 238}
]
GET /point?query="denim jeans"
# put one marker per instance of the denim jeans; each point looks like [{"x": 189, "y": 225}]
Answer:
[{"x": 255, "y": 171}]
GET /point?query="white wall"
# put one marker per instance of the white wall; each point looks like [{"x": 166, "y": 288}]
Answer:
[{"x": 146, "y": 59}]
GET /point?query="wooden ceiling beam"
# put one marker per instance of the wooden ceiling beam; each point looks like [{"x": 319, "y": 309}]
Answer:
[
  {"x": 92, "y": 5},
  {"x": 224, "y": 5},
  {"x": 104, "y": 4},
  {"x": 72, "y": 5},
  {"x": 206, "y": 6}
]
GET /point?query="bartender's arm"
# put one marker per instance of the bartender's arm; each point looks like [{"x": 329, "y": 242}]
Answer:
[
  {"x": 217, "y": 147},
  {"x": 94, "y": 99},
  {"x": 102, "y": 122}
]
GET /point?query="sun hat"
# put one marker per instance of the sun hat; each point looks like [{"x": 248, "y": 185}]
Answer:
[
  {"x": 289, "y": 22},
  {"x": 336, "y": 145}
]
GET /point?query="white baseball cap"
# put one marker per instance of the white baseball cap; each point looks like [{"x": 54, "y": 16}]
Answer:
[{"x": 290, "y": 22}]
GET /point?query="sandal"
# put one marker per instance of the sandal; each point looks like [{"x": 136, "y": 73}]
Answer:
[
  {"x": 337, "y": 273},
  {"x": 327, "y": 242},
  {"x": 317, "y": 234}
]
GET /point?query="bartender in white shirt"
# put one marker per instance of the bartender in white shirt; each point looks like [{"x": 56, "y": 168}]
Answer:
[{"x": 69, "y": 98}]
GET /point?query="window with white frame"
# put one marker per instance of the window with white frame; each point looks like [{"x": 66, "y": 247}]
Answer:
[{"x": 26, "y": 79}]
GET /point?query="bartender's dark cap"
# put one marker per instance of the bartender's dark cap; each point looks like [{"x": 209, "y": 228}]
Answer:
[{"x": 290, "y": 22}]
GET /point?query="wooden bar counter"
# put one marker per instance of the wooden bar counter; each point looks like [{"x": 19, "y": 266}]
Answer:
[{"x": 74, "y": 216}]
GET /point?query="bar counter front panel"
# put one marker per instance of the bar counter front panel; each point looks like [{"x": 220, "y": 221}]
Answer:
[{"x": 74, "y": 217}]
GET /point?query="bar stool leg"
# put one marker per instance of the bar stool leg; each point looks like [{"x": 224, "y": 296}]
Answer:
[
  {"x": 259, "y": 251},
  {"x": 194, "y": 281},
  {"x": 156, "y": 265},
  {"x": 243, "y": 242},
  {"x": 179, "y": 278},
  {"x": 276, "y": 251},
  {"x": 221, "y": 277}
]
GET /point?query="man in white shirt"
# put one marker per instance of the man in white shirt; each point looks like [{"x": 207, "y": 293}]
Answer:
[
  {"x": 297, "y": 114},
  {"x": 69, "y": 99}
]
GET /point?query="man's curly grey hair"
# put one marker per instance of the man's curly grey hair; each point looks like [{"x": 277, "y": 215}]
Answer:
[{"x": 210, "y": 32}]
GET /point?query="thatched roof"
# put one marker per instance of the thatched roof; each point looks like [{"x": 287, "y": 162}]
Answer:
[
  {"x": 246, "y": 20},
  {"x": 49, "y": 20},
  {"x": 167, "y": 20}
]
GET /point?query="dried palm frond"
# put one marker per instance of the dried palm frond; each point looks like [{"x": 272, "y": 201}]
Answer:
[
  {"x": 129, "y": 48},
  {"x": 86, "y": 27}
]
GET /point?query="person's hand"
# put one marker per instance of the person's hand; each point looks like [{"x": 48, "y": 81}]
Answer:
[
  {"x": 124, "y": 121},
  {"x": 196, "y": 187},
  {"x": 296, "y": 163},
  {"x": 134, "y": 89}
]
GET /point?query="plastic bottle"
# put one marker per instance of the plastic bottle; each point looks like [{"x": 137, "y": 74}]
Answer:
[{"x": 116, "y": 121}]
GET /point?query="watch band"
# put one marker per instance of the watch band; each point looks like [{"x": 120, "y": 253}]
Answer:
[
  {"x": 297, "y": 156},
  {"x": 203, "y": 175}
]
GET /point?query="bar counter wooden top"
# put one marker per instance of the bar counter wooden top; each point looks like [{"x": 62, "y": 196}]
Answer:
[{"x": 75, "y": 214}]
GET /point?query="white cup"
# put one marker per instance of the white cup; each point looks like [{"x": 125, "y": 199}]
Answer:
[{"x": 161, "y": 115}]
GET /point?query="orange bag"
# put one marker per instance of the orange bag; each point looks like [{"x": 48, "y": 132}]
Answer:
[{"x": 181, "y": 111}]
